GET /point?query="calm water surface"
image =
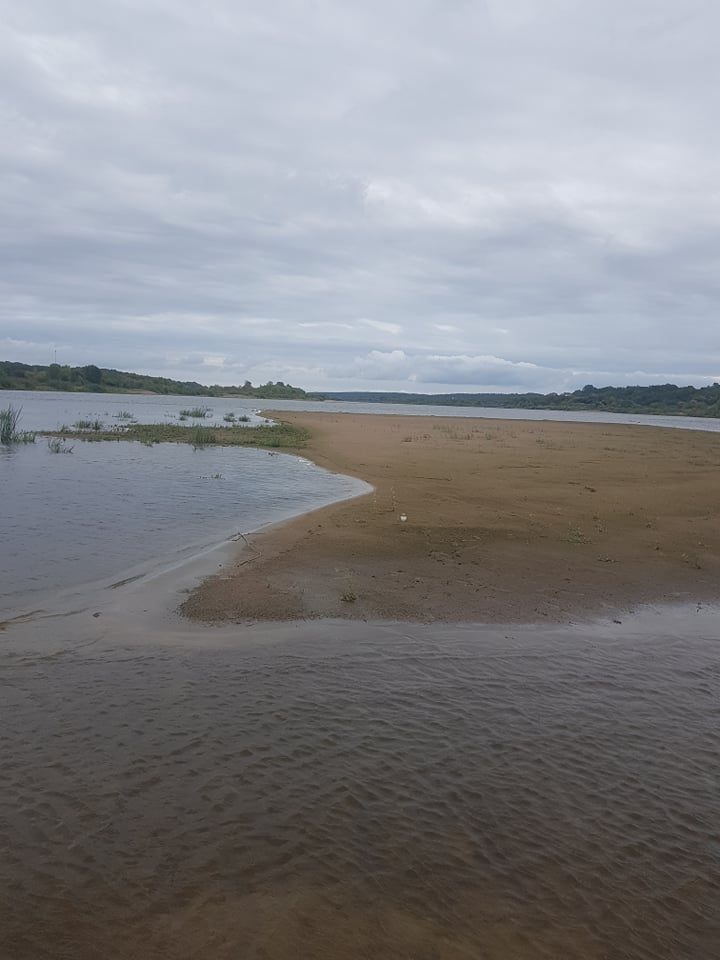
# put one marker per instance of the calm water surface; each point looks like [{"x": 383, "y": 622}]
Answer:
[{"x": 68, "y": 519}]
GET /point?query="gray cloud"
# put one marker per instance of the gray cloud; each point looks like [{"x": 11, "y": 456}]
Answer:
[{"x": 407, "y": 195}]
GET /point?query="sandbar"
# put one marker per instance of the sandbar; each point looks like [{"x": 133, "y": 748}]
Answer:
[{"x": 506, "y": 521}]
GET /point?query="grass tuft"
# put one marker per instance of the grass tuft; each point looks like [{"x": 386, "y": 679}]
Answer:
[
  {"x": 201, "y": 437},
  {"x": 95, "y": 425},
  {"x": 9, "y": 432},
  {"x": 197, "y": 412}
]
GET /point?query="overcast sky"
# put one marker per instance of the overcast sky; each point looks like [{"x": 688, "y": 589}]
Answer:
[{"x": 376, "y": 194}]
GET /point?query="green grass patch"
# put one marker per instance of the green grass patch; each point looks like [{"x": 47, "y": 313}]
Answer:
[
  {"x": 95, "y": 425},
  {"x": 9, "y": 424},
  {"x": 199, "y": 412},
  {"x": 272, "y": 436}
]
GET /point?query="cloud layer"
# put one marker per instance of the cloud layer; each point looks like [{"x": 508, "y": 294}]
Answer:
[{"x": 401, "y": 195}]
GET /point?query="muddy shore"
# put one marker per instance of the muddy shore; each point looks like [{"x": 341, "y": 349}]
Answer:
[{"x": 507, "y": 521}]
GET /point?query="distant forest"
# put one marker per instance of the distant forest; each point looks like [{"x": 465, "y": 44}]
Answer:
[
  {"x": 92, "y": 379},
  {"x": 666, "y": 398}
]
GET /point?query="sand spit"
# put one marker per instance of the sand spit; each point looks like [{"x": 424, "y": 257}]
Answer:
[{"x": 507, "y": 521}]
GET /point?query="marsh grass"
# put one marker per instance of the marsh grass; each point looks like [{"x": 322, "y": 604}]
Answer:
[
  {"x": 276, "y": 435},
  {"x": 201, "y": 437},
  {"x": 198, "y": 413},
  {"x": 9, "y": 432},
  {"x": 95, "y": 425}
]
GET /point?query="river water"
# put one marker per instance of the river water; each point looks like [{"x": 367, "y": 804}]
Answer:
[
  {"x": 333, "y": 790},
  {"x": 348, "y": 790},
  {"x": 109, "y": 510}
]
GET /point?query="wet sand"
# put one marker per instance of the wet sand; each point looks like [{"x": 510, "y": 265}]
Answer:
[{"x": 507, "y": 521}]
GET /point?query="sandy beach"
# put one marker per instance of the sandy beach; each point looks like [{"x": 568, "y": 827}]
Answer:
[{"x": 507, "y": 521}]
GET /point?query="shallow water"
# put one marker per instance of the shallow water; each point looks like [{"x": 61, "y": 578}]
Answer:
[
  {"x": 106, "y": 508},
  {"x": 363, "y": 790},
  {"x": 710, "y": 424},
  {"x": 51, "y": 410}
]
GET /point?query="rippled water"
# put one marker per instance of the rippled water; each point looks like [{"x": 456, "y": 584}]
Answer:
[
  {"x": 68, "y": 519},
  {"x": 364, "y": 791}
]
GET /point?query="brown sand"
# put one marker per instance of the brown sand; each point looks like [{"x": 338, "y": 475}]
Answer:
[{"x": 506, "y": 521}]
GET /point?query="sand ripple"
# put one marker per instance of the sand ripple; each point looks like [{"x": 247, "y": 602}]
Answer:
[{"x": 389, "y": 797}]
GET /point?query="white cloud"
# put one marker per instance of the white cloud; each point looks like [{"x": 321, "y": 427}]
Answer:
[
  {"x": 213, "y": 361},
  {"x": 382, "y": 326},
  {"x": 510, "y": 192}
]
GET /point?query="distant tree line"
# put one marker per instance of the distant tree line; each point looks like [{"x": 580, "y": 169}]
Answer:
[
  {"x": 92, "y": 379},
  {"x": 666, "y": 398}
]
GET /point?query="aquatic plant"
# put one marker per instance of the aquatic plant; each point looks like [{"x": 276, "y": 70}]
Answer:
[
  {"x": 58, "y": 445},
  {"x": 201, "y": 437},
  {"x": 272, "y": 435},
  {"x": 123, "y": 415},
  {"x": 95, "y": 425},
  {"x": 229, "y": 418},
  {"x": 244, "y": 419},
  {"x": 198, "y": 412},
  {"x": 9, "y": 432}
]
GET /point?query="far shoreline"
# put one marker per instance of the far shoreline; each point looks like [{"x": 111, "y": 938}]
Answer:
[{"x": 508, "y": 521}]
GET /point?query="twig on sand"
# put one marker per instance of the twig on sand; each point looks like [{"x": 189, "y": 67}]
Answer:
[{"x": 250, "y": 546}]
